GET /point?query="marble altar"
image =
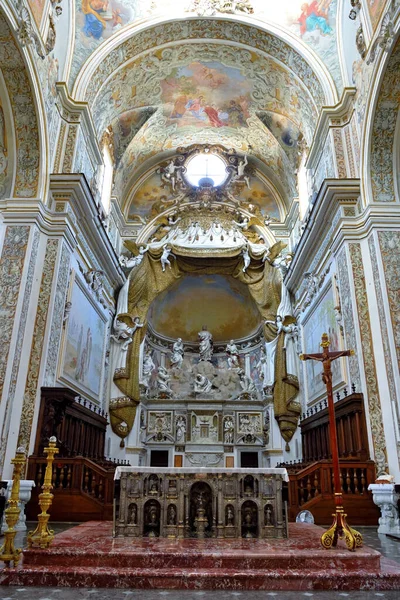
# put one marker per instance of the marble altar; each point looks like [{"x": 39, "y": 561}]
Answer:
[{"x": 200, "y": 503}]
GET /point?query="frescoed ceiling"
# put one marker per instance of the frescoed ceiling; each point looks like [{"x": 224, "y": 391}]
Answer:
[
  {"x": 202, "y": 81},
  {"x": 221, "y": 303}
]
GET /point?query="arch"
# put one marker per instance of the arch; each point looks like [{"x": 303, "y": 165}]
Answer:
[
  {"x": 268, "y": 38},
  {"x": 379, "y": 161},
  {"x": 200, "y": 506},
  {"x": 249, "y": 519},
  {"x": 26, "y": 164},
  {"x": 151, "y": 518}
]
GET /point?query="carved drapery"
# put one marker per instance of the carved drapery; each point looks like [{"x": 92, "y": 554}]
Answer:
[{"x": 264, "y": 282}]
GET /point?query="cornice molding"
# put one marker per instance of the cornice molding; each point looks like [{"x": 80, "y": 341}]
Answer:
[
  {"x": 334, "y": 195},
  {"x": 325, "y": 121}
]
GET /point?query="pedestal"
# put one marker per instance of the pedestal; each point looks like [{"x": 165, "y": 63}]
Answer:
[
  {"x": 386, "y": 498},
  {"x": 24, "y": 497}
]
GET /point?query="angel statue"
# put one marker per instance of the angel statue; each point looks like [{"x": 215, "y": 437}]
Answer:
[
  {"x": 163, "y": 380},
  {"x": 240, "y": 174},
  {"x": 170, "y": 173},
  {"x": 164, "y": 257},
  {"x": 147, "y": 370},
  {"x": 165, "y": 224},
  {"x": 233, "y": 355},
  {"x": 177, "y": 354},
  {"x": 134, "y": 261},
  {"x": 124, "y": 330},
  {"x": 246, "y": 258}
]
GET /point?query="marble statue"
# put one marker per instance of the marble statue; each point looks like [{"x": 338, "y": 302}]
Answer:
[
  {"x": 147, "y": 370},
  {"x": 171, "y": 515},
  {"x": 233, "y": 355},
  {"x": 262, "y": 366},
  {"x": 163, "y": 380},
  {"x": 205, "y": 344},
  {"x": 180, "y": 429},
  {"x": 123, "y": 333},
  {"x": 67, "y": 311},
  {"x": 244, "y": 224},
  {"x": 165, "y": 257},
  {"x": 246, "y": 258},
  {"x": 171, "y": 174},
  {"x": 246, "y": 383},
  {"x": 240, "y": 174},
  {"x": 202, "y": 385},
  {"x": 134, "y": 261},
  {"x": 177, "y": 354},
  {"x": 229, "y": 429}
]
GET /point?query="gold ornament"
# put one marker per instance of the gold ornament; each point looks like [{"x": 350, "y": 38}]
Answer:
[
  {"x": 8, "y": 552},
  {"x": 43, "y": 536}
]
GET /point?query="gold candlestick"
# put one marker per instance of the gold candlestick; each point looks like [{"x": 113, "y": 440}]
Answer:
[
  {"x": 8, "y": 552},
  {"x": 43, "y": 536}
]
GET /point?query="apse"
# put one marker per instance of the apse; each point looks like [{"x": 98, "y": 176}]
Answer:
[{"x": 221, "y": 303}]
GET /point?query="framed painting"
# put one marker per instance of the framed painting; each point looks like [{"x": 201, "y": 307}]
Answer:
[
  {"x": 321, "y": 319},
  {"x": 83, "y": 358}
]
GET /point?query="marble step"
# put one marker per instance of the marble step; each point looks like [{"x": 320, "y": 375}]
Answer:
[
  {"x": 387, "y": 578},
  {"x": 265, "y": 559}
]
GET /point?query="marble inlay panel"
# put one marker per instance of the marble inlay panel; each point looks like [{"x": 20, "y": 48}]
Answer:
[
  {"x": 28, "y": 406},
  {"x": 389, "y": 242},
  {"x": 18, "y": 349},
  {"x": 57, "y": 319},
  {"x": 374, "y": 403},
  {"x": 348, "y": 318},
  {"x": 11, "y": 267}
]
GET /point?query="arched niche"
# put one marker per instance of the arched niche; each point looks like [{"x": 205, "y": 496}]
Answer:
[{"x": 21, "y": 120}]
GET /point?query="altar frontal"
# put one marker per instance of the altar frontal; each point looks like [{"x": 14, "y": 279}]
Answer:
[{"x": 200, "y": 503}]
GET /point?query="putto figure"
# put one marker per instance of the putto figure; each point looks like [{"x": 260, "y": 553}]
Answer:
[{"x": 165, "y": 257}]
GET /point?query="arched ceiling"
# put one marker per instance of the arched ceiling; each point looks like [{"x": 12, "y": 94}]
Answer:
[{"x": 207, "y": 81}]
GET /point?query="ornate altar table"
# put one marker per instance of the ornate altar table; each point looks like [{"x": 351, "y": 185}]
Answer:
[{"x": 200, "y": 502}]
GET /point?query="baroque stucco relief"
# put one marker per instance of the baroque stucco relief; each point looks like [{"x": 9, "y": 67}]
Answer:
[{"x": 23, "y": 109}]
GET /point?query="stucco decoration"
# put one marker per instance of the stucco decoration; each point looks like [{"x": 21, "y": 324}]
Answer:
[
  {"x": 204, "y": 29},
  {"x": 392, "y": 284},
  {"x": 383, "y": 134},
  {"x": 31, "y": 387},
  {"x": 57, "y": 317},
  {"x": 5, "y": 180},
  {"x": 374, "y": 402},
  {"x": 19, "y": 346},
  {"x": 389, "y": 242},
  {"x": 348, "y": 318},
  {"x": 11, "y": 268},
  {"x": 314, "y": 23},
  {"x": 23, "y": 108}
]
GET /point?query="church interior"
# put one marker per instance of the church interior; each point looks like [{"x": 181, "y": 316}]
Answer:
[{"x": 199, "y": 291}]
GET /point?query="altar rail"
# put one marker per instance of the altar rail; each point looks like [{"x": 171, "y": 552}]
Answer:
[
  {"x": 311, "y": 488},
  {"x": 83, "y": 490},
  {"x": 189, "y": 502}
]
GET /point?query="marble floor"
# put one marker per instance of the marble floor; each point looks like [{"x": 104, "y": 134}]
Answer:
[{"x": 387, "y": 546}]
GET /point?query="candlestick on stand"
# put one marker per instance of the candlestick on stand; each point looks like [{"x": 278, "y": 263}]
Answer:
[{"x": 339, "y": 527}]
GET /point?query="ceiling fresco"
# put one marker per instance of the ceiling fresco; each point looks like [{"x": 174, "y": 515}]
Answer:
[
  {"x": 221, "y": 303},
  {"x": 152, "y": 196},
  {"x": 314, "y": 23},
  {"x": 206, "y": 93}
]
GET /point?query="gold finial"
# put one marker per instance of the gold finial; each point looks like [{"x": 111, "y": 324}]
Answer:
[
  {"x": 43, "y": 536},
  {"x": 8, "y": 552}
]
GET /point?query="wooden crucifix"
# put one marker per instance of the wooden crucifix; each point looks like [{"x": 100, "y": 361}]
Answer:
[{"x": 339, "y": 527}]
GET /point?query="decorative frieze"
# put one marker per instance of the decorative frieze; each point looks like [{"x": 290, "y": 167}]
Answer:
[
  {"x": 383, "y": 323},
  {"x": 31, "y": 387},
  {"x": 11, "y": 268},
  {"x": 374, "y": 403},
  {"x": 389, "y": 242},
  {"x": 57, "y": 317},
  {"x": 18, "y": 350}
]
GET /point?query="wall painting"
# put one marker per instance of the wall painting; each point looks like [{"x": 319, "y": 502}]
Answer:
[
  {"x": 321, "y": 319},
  {"x": 83, "y": 353}
]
